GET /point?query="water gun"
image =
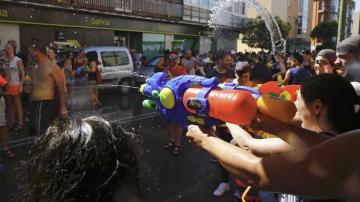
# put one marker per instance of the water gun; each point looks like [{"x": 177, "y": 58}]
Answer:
[
  {"x": 3, "y": 81},
  {"x": 191, "y": 99}
]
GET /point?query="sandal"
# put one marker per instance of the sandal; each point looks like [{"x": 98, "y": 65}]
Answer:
[
  {"x": 9, "y": 153},
  {"x": 10, "y": 127},
  {"x": 169, "y": 145},
  {"x": 176, "y": 150},
  {"x": 18, "y": 128}
]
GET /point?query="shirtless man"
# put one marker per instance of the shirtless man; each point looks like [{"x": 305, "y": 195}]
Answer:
[{"x": 46, "y": 77}]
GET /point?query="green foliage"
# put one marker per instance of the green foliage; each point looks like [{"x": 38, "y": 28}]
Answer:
[
  {"x": 325, "y": 31},
  {"x": 257, "y": 35}
]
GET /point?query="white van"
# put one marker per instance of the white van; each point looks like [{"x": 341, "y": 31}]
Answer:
[{"x": 117, "y": 65}]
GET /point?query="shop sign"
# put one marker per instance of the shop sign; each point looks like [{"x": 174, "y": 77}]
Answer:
[
  {"x": 101, "y": 22},
  {"x": 4, "y": 13}
]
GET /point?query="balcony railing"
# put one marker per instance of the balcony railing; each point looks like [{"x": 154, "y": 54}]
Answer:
[{"x": 152, "y": 8}]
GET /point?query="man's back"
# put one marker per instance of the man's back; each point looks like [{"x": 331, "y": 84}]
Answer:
[{"x": 299, "y": 75}]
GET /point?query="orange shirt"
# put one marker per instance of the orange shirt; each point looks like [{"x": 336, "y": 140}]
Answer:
[{"x": 177, "y": 71}]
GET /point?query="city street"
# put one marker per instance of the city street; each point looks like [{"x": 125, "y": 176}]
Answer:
[{"x": 190, "y": 176}]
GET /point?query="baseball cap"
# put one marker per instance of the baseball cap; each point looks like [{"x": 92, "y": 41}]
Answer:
[
  {"x": 233, "y": 52},
  {"x": 329, "y": 54},
  {"x": 349, "y": 45}
]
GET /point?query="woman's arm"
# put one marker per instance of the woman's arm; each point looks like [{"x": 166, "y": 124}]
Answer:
[
  {"x": 258, "y": 147},
  {"x": 293, "y": 135},
  {"x": 22, "y": 73},
  {"x": 320, "y": 171},
  {"x": 68, "y": 67}
]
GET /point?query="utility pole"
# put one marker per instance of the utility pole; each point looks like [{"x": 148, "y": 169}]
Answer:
[{"x": 342, "y": 21}]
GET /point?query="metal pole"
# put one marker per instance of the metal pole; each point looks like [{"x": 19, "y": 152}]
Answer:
[{"x": 342, "y": 21}]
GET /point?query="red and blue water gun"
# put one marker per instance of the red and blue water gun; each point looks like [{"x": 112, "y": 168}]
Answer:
[{"x": 191, "y": 99}]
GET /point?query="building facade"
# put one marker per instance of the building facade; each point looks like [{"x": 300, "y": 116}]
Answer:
[
  {"x": 356, "y": 24},
  {"x": 152, "y": 26},
  {"x": 327, "y": 11}
]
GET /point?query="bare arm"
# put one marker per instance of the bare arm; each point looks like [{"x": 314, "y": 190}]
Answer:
[
  {"x": 68, "y": 67},
  {"x": 59, "y": 78},
  {"x": 282, "y": 70},
  {"x": 287, "y": 78},
  {"x": 22, "y": 73},
  {"x": 293, "y": 135},
  {"x": 258, "y": 146},
  {"x": 321, "y": 171}
]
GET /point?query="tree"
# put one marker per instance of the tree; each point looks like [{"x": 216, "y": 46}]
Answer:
[
  {"x": 256, "y": 35},
  {"x": 325, "y": 32}
]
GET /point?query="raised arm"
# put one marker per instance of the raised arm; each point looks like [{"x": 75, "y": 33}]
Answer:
[{"x": 320, "y": 171}]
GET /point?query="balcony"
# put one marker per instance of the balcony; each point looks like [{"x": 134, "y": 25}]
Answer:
[{"x": 151, "y": 8}]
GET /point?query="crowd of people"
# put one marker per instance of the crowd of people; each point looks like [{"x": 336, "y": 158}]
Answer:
[
  {"x": 328, "y": 105},
  {"x": 91, "y": 159},
  {"x": 40, "y": 87}
]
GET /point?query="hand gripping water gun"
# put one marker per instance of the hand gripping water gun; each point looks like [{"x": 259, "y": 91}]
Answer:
[{"x": 191, "y": 99}]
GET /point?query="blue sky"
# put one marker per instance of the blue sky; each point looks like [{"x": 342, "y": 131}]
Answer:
[{"x": 357, "y": 2}]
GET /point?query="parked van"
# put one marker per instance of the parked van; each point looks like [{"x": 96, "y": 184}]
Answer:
[{"x": 117, "y": 65}]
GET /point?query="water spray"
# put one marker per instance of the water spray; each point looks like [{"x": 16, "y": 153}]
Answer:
[{"x": 277, "y": 41}]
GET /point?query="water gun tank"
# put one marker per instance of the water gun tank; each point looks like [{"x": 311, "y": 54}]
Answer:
[
  {"x": 3, "y": 81},
  {"x": 233, "y": 106}
]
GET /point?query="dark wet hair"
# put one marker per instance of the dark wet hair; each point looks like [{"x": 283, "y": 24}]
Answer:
[
  {"x": 339, "y": 97},
  {"x": 38, "y": 45},
  {"x": 68, "y": 54},
  {"x": 80, "y": 160},
  {"x": 222, "y": 54},
  {"x": 53, "y": 49},
  {"x": 296, "y": 56}
]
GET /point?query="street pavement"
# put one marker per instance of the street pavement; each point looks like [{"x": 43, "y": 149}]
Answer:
[{"x": 191, "y": 176}]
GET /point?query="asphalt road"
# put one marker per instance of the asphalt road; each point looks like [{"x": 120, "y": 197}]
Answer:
[{"x": 190, "y": 176}]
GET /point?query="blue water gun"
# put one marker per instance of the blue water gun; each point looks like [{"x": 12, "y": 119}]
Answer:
[{"x": 191, "y": 99}]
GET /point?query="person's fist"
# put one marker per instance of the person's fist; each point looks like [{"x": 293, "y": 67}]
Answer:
[{"x": 196, "y": 135}]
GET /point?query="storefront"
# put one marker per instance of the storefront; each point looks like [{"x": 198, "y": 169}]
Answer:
[{"x": 94, "y": 29}]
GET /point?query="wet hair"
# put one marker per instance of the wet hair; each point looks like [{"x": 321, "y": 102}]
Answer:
[
  {"x": 80, "y": 160},
  {"x": 296, "y": 56},
  {"x": 339, "y": 97},
  {"x": 53, "y": 49},
  {"x": 222, "y": 54},
  {"x": 68, "y": 54},
  {"x": 38, "y": 45},
  {"x": 242, "y": 67}
]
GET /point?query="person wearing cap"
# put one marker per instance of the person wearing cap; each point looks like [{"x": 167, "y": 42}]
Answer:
[
  {"x": 325, "y": 62},
  {"x": 348, "y": 58},
  {"x": 243, "y": 74},
  {"x": 174, "y": 69},
  {"x": 298, "y": 74}
]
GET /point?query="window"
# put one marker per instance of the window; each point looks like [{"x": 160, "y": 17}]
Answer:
[
  {"x": 204, "y": 3},
  {"x": 92, "y": 56},
  {"x": 114, "y": 58}
]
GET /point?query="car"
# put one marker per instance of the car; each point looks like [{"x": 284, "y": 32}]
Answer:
[
  {"x": 117, "y": 65},
  {"x": 145, "y": 71}
]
